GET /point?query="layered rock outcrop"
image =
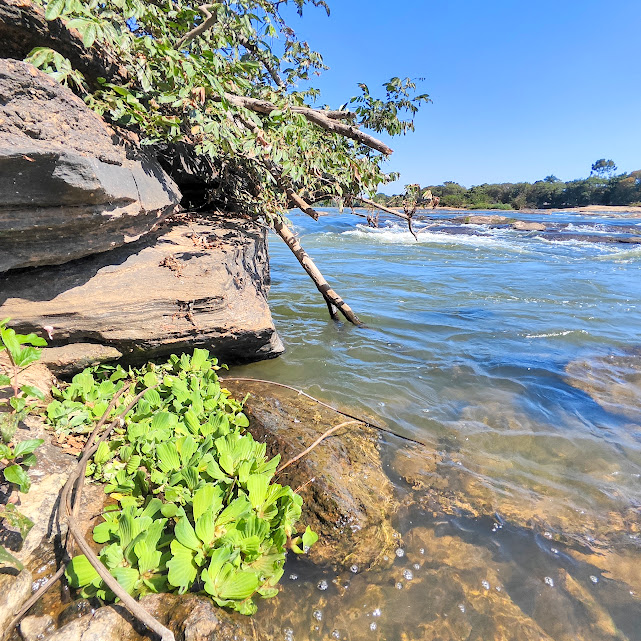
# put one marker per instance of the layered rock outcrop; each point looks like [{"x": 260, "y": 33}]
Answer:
[
  {"x": 67, "y": 190},
  {"x": 86, "y": 246},
  {"x": 183, "y": 286}
]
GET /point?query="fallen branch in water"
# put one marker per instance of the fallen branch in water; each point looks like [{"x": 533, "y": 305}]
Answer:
[
  {"x": 320, "y": 439},
  {"x": 334, "y": 409}
]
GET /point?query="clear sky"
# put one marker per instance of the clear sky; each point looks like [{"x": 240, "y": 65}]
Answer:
[{"x": 520, "y": 90}]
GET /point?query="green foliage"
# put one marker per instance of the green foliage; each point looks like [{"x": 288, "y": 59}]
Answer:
[
  {"x": 198, "y": 509},
  {"x": 603, "y": 188},
  {"x": 176, "y": 88},
  {"x": 15, "y": 459}
]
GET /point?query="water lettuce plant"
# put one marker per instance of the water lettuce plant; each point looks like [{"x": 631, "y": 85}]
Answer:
[{"x": 197, "y": 507}]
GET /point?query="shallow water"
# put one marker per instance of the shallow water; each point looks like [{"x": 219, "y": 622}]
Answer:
[{"x": 513, "y": 357}]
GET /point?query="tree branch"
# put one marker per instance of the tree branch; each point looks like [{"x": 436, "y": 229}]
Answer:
[
  {"x": 332, "y": 299},
  {"x": 208, "y": 23},
  {"x": 313, "y": 115}
]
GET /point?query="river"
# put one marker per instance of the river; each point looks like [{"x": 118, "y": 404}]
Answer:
[{"x": 516, "y": 359}]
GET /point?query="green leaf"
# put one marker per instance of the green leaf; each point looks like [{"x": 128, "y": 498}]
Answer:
[
  {"x": 80, "y": 572},
  {"x": 15, "y": 474},
  {"x": 27, "y": 447},
  {"x": 206, "y": 527},
  {"x": 257, "y": 487},
  {"x": 54, "y": 9},
  {"x": 168, "y": 459},
  {"x": 186, "y": 535},
  {"x": 6, "y": 558},
  {"x": 4, "y": 380},
  {"x": 207, "y": 497},
  {"x": 309, "y": 538},
  {"x": 182, "y": 568},
  {"x": 127, "y": 577}
]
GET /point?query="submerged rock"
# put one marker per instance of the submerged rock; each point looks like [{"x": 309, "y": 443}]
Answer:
[
  {"x": 613, "y": 381},
  {"x": 185, "y": 286},
  {"x": 348, "y": 499}
]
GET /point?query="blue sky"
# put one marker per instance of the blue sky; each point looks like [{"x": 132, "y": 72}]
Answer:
[{"x": 520, "y": 89}]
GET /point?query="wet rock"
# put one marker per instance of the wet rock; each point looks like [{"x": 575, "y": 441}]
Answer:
[
  {"x": 189, "y": 617},
  {"x": 521, "y": 225},
  {"x": 34, "y": 628},
  {"x": 67, "y": 189},
  {"x": 75, "y": 610},
  {"x": 69, "y": 359},
  {"x": 613, "y": 381},
  {"x": 348, "y": 499},
  {"x": 481, "y": 220},
  {"x": 185, "y": 286},
  {"x": 14, "y": 591}
]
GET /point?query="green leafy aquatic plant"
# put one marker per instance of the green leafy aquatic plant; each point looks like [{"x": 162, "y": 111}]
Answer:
[{"x": 197, "y": 506}]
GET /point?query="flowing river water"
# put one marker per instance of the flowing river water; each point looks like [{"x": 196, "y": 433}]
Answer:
[{"x": 515, "y": 359}]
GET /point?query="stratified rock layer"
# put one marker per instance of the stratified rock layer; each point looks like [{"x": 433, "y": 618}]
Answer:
[
  {"x": 185, "y": 286},
  {"x": 67, "y": 187}
]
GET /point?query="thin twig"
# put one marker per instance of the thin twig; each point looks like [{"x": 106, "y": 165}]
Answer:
[
  {"x": 320, "y": 439},
  {"x": 334, "y": 409}
]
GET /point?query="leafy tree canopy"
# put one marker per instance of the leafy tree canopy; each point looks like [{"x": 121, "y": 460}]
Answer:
[{"x": 224, "y": 78}]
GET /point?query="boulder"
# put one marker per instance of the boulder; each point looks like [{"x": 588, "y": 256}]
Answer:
[
  {"x": 14, "y": 591},
  {"x": 347, "y": 497},
  {"x": 68, "y": 186},
  {"x": 192, "y": 284},
  {"x": 521, "y": 225},
  {"x": 66, "y": 360}
]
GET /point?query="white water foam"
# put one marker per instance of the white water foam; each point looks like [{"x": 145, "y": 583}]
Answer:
[
  {"x": 397, "y": 234},
  {"x": 551, "y": 334}
]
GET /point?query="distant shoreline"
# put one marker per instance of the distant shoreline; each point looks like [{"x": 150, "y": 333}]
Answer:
[{"x": 588, "y": 209}]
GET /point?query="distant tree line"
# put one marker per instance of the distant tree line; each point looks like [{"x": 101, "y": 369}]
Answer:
[{"x": 602, "y": 187}]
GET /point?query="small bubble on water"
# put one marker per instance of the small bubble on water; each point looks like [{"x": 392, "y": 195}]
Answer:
[
  {"x": 318, "y": 615},
  {"x": 485, "y": 584},
  {"x": 416, "y": 566},
  {"x": 400, "y": 552},
  {"x": 376, "y": 613},
  {"x": 407, "y": 575},
  {"x": 594, "y": 579},
  {"x": 381, "y": 404},
  {"x": 322, "y": 585},
  {"x": 549, "y": 581},
  {"x": 293, "y": 577},
  {"x": 498, "y": 588},
  {"x": 461, "y": 607},
  {"x": 547, "y": 535},
  {"x": 336, "y": 634},
  {"x": 421, "y": 551},
  {"x": 399, "y": 586},
  {"x": 554, "y": 551},
  {"x": 354, "y": 568},
  {"x": 373, "y": 626},
  {"x": 289, "y": 634},
  {"x": 386, "y": 558}
]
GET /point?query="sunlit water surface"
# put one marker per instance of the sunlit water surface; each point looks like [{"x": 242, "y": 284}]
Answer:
[{"x": 513, "y": 356}]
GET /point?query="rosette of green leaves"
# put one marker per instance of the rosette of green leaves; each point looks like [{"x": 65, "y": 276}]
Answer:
[
  {"x": 136, "y": 553},
  {"x": 225, "y": 525},
  {"x": 78, "y": 406}
]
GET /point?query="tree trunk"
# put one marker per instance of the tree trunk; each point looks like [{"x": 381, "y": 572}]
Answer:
[{"x": 333, "y": 300}]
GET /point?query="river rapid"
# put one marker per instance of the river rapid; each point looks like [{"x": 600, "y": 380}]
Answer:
[{"x": 514, "y": 358}]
